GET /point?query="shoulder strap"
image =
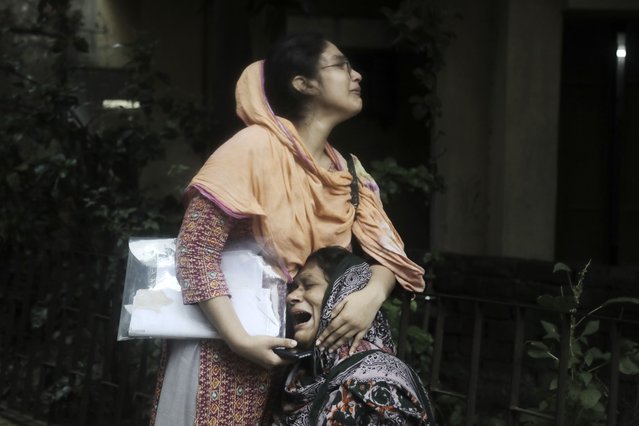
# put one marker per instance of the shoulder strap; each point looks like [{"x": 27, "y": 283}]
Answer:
[{"x": 355, "y": 183}]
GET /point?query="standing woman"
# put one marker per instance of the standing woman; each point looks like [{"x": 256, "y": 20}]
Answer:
[{"x": 279, "y": 182}]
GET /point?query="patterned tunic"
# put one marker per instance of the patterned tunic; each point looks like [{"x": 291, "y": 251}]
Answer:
[{"x": 230, "y": 390}]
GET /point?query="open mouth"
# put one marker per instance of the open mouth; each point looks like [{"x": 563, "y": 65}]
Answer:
[{"x": 300, "y": 317}]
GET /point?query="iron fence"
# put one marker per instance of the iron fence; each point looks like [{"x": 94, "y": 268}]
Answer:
[
  {"x": 519, "y": 324},
  {"x": 60, "y": 361}
]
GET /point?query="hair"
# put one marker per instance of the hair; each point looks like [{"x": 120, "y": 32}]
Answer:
[
  {"x": 328, "y": 259},
  {"x": 296, "y": 54}
]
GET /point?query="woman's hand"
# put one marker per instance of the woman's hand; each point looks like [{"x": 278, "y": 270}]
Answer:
[
  {"x": 259, "y": 349},
  {"x": 351, "y": 319},
  {"x": 353, "y": 316}
]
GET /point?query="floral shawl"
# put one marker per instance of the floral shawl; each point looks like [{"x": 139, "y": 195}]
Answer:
[{"x": 372, "y": 386}]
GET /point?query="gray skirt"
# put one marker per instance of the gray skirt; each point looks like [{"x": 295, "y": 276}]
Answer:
[{"x": 176, "y": 406}]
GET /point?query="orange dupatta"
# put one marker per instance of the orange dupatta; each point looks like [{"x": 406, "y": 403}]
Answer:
[{"x": 264, "y": 171}]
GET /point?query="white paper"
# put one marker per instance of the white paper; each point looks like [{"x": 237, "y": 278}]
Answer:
[{"x": 157, "y": 310}]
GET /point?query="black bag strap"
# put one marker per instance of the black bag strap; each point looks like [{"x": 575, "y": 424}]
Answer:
[{"x": 355, "y": 183}]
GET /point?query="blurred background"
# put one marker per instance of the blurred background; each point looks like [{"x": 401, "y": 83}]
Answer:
[{"x": 501, "y": 133}]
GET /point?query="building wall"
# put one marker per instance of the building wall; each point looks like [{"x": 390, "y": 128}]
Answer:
[
  {"x": 467, "y": 88},
  {"x": 530, "y": 120},
  {"x": 500, "y": 94}
]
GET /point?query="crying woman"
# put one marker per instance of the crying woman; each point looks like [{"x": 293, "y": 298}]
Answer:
[{"x": 370, "y": 386}]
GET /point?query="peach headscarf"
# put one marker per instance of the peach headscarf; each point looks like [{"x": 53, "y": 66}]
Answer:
[{"x": 265, "y": 172}]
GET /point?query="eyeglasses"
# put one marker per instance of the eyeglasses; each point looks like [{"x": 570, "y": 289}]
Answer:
[{"x": 344, "y": 66}]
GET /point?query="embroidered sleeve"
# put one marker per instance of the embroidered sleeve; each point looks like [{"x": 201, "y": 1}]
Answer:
[{"x": 204, "y": 232}]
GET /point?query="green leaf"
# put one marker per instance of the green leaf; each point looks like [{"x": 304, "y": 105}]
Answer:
[
  {"x": 539, "y": 350},
  {"x": 574, "y": 391},
  {"x": 576, "y": 348},
  {"x": 13, "y": 180},
  {"x": 628, "y": 366},
  {"x": 595, "y": 353},
  {"x": 628, "y": 345},
  {"x": 543, "y": 405},
  {"x": 420, "y": 339},
  {"x": 591, "y": 327},
  {"x": 547, "y": 301},
  {"x": 551, "y": 330},
  {"x": 589, "y": 397},
  {"x": 561, "y": 267},
  {"x": 586, "y": 377},
  {"x": 615, "y": 300},
  {"x": 557, "y": 303}
]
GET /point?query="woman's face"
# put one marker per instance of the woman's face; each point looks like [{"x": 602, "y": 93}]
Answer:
[
  {"x": 338, "y": 87},
  {"x": 304, "y": 303}
]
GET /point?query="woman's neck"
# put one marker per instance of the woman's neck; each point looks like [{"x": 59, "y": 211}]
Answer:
[{"x": 314, "y": 134}]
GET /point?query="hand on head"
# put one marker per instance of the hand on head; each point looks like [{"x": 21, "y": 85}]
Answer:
[{"x": 351, "y": 317}]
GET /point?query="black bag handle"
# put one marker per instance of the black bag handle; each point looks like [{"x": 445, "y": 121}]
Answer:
[{"x": 355, "y": 183}]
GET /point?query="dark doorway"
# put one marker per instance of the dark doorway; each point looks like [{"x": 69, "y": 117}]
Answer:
[{"x": 598, "y": 188}]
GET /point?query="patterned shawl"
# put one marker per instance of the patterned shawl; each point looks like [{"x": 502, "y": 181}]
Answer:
[
  {"x": 372, "y": 386},
  {"x": 265, "y": 172}
]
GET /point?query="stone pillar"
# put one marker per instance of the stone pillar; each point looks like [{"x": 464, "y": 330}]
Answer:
[
  {"x": 500, "y": 94},
  {"x": 525, "y": 181},
  {"x": 460, "y": 216}
]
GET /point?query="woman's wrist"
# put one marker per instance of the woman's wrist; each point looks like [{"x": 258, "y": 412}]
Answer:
[
  {"x": 382, "y": 282},
  {"x": 375, "y": 294},
  {"x": 238, "y": 342},
  {"x": 221, "y": 314}
]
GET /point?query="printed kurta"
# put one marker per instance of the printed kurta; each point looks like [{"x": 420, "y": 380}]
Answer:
[{"x": 230, "y": 389}]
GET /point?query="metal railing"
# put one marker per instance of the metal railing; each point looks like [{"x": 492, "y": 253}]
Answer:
[
  {"x": 60, "y": 361},
  {"x": 525, "y": 318}
]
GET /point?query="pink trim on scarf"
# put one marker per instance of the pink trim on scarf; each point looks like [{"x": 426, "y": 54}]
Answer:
[
  {"x": 218, "y": 202},
  {"x": 228, "y": 211}
]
